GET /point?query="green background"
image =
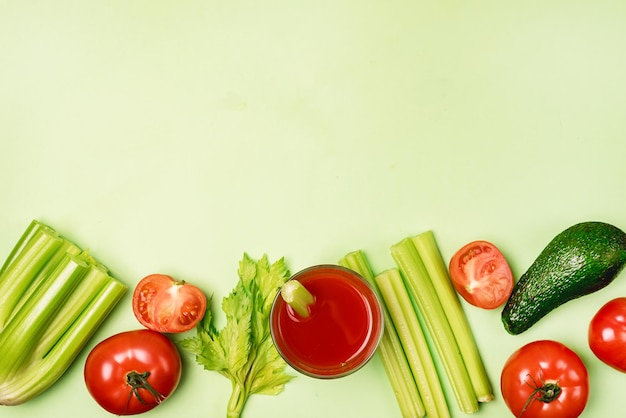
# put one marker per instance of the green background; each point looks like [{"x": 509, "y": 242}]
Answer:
[{"x": 173, "y": 136}]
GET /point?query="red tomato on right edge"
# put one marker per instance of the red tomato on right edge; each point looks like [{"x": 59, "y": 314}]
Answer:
[
  {"x": 481, "y": 275},
  {"x": 607, "y": 334}
]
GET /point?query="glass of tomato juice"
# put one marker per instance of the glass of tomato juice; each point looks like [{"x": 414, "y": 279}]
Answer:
[{"x": 342, "y": 330}]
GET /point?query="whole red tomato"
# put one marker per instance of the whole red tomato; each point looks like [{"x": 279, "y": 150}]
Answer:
[
  {"x": 607, "y": 334},
  {"x": 545, "y": 379},
  {"x": 164, "y": 304},
  {"x": 132, "y": 372},
  {"x": 481, "y": 275}
]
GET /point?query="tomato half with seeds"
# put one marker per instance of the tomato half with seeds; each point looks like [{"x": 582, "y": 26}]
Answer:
[
  {"x": 132, "y": 372},
  {"x": 481, "y": 275},
  {"x": 545, "y": 379},
  {"x": 164, "y": 304}
]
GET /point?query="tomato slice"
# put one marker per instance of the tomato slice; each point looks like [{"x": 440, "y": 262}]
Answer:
[
  {"x": 164, "y": 304},
  {"x": 481, "y": 275}
]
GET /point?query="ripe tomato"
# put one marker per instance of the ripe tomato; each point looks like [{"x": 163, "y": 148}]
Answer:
[
  {"x": 132, "y": 372},
  {"x": 545, "y": 379},
  {"x": 164, "y": 304},
  {"x": 481, "y": 275},
  {"x": 607, "y": 333}
]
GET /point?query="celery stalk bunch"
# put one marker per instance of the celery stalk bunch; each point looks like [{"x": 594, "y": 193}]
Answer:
[{"x": 53, "y": 297}]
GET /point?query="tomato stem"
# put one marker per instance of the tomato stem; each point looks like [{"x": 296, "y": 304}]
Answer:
[
  {"x": 546, "y": 393},
  {"x": 138, "y": 381}
]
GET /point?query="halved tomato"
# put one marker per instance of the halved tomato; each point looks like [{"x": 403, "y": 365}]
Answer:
[
  {"x": 164, "y": 304},
  {"x": 481, "y": 275}
]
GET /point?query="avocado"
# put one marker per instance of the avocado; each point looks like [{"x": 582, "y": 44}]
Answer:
[{"x": 582, "y": 259}]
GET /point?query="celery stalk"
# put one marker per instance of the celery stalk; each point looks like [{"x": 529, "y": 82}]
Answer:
[
  {"x": 400, "y": 377},
  {"x": 33, "y": 228},
  {"x": 297, "y": 296},
  {"x": 93, "y": 282},
  {"x": 390, "y": 348},
  {"x": 55, "y": 297},
  {"x": 61, "y": 252},
  {"x": 436, "y": 268},
  {"x": 421, "y": 288},
  {"x": 413, "y": 340},
  {"x": 22, "y": 334},
  {"x": 45, "y": 371},
  {"x": 20, "y": 273}
]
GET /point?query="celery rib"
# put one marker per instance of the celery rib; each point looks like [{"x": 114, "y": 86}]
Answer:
[
  {"x": 64, "y": 250},
  {"x": 400, "y": 377},
  {"x": 421, "y": 288},
  {"x": 429, "y": 252},
  {"x": 25, "y": 239},
  {"x": 297, "y": 296},
  {"x": 23, "y": 270},
  {"x": 413, "y": 341},
  {"x": 53, "y": 297},
  {"x": 390, "y": 349},
  {"x": 93, "y": 282},
  {"x": 21, "y": 335}
]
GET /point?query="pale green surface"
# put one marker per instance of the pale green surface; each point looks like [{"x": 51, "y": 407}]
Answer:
[{"x": 172, "y": 136}]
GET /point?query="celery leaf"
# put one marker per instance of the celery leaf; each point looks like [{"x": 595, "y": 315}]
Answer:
[{"x": 243, "y": 349}]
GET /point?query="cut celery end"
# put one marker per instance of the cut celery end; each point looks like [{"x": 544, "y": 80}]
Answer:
[
  {"x": 390, "y": 349},
  {"x": 27, "y": 236},
  {"x": 297, "y": 296},
  {"x": 21, "y": 336},
  {"x": 429, "y": 252},
  {"x": 55, "y": 297},
  {"x": 24, "y": 268},
  {"x": 356, "y": 261},
  {"x": 63, "y": 250},
  {"x": 421, "y": 288}
]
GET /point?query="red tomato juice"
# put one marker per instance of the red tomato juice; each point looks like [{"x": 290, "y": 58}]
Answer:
[{"x": 342, "y": 330}]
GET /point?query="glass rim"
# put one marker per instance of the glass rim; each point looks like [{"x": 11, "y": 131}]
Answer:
[{"x": 370, "y": 345}]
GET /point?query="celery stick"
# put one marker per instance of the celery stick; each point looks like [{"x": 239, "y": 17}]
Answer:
[
  {"x": 66, "y": 247},
  {"x": 26, "y": 237},
  {"x": 22, "y": 334},
  {"x": 421, "y": 288},
  {"x": 53, "y": 297},
  {"x": 43, "y": 372},
  {"x": 390, "y": 348},
  {"x": 429, "y": 252},
  {"x": 24, "y": 268},
  {"x": 400, "y": 377},
  {"x": 413, "y": 341},
  {"x": 297, "y": 296},
  {"x": 93, "y": 282}
]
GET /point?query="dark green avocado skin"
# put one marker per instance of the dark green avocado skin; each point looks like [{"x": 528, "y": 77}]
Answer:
[{"x": 580, "y": 260}]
